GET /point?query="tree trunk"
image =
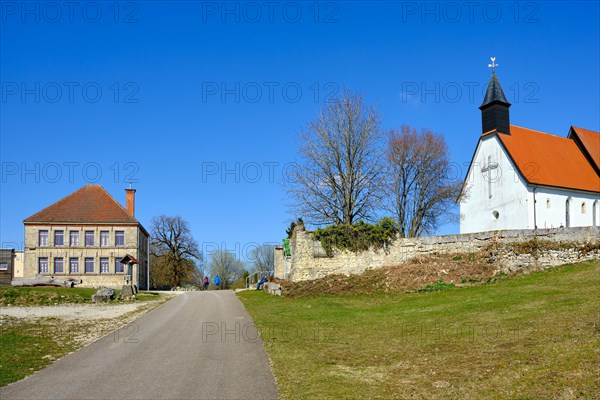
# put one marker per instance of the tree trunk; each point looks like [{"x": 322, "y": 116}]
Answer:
[{"x": 40, "y": 280}]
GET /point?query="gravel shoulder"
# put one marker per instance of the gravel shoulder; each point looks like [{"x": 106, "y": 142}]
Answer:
[{"x": 73, "y": 311}]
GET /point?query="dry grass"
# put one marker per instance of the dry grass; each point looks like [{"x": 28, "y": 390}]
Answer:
[{"x": 460, "y": 269}]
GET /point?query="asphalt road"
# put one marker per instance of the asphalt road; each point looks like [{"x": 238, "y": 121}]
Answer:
[{"x": 199, "y": 345}]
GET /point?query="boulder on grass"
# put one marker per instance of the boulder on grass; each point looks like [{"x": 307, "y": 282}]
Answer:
[
  {"x": 272, "y": 288},
  {"x": 103, "y": 294},
  {"x": 127, "y": 292}
]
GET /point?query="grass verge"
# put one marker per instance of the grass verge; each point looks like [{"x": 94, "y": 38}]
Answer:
[
  {"x": 53, "y": 296},
  {"x": 530, "y": 336},
  {"x": 28, "y": 345}
]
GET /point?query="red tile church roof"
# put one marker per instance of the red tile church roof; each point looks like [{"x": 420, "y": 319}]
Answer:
[
  {"x": 591, "y": 142},
  {"x": 548, "y": 160},
  {"x": 90, "y": 204}
]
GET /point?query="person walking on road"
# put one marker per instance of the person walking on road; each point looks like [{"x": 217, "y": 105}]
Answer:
[
  {"x": 218, "y": 282},
  {"x": 205, "y": 282}
]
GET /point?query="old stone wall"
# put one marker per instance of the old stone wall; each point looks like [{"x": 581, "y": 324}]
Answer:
[{"x": 310, "y": 261}]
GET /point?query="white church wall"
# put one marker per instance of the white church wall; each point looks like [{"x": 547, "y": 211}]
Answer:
[
  {"x": 510, "y": 201},
  {"x": 551, "y": 208}
]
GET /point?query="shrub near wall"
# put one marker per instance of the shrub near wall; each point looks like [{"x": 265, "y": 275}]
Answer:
[{"x": 358, "y": 237}]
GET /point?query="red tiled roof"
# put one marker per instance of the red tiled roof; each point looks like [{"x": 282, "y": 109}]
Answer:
[
  {"x": 549, "y": 160},
  {"x": 90, "y": 204},
  {"x": 591, "y": 142}
]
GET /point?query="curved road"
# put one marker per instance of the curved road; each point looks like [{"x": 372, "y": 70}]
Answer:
[{"x": 199, "y": 345}]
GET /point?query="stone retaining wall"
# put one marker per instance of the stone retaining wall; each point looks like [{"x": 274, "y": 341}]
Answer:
[{"x": 310, "y": 261}]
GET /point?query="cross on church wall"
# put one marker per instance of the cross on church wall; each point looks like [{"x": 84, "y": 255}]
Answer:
[{"x": 488, "y": 168}]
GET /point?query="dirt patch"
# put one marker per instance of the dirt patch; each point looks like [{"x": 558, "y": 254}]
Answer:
[
  {"x": 73, "y": 311},
  {"x": 416, "y": 274}
]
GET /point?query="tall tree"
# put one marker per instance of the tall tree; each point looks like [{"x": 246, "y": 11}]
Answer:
[
  {"x": 420, "y": 193},
  {"x": 339, "y": 176},
  {"x": 263, "y": 258},
  {"x": 174, "y": 252},
  {"x": 227, "y": 266}
]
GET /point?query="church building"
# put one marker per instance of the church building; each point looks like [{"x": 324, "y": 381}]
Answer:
[{"x": 520, "y": 178}]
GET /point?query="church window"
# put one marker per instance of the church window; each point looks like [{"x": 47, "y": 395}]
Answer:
[
  {"x": 496, "y": 214},
  {"x": 568, "y": 213},
  {"x": 583, "y": 208},
  {"x": 547, "y": 203}
]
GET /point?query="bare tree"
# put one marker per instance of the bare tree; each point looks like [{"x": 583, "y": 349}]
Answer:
[
  {"x": 420, "y": 194},
  {"x": 224, "y": 264},
  {"x": 339, "y": 176},
  {"x": 174, "y": 252},
  {"x": 263, "y": 258}
]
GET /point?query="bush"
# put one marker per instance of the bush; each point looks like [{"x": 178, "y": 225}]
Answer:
[{"x": 358, "y": 237}]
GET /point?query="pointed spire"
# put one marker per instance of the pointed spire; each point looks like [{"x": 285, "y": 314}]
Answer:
[
  {"x": 494, "y": 92},
  {"x": 494, "y": 109}
]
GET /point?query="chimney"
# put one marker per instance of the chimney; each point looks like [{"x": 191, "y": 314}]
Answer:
[
  {"x": 130, "y": 200},
  {"x": 494, "y": 110}
]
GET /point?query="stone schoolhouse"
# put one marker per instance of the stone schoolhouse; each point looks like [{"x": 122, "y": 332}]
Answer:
[{"x": 84, "y": 236}]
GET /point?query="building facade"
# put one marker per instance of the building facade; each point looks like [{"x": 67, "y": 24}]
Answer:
[
  {"x": 525, "y": 179},
  {"x": 19, "y": 265},
  {"x": 85, "y": 236},
  {"x": 7, "y": 266}
]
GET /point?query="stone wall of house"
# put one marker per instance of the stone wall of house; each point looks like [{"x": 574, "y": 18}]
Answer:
[{"x": 310, "y": 261}]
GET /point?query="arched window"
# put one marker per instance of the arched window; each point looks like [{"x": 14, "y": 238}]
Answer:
[
  {"x": 595, "y": 212},
  {"x": 583, "y": 208},
  {"x": 568, "y": 213},
  {"x": 547, "y": 203}
]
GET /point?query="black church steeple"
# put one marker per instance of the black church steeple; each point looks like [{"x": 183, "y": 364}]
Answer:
[{"x": 494, "y": 109}]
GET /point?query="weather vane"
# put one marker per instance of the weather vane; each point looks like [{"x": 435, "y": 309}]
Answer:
[{"x": 493, "y": 65}]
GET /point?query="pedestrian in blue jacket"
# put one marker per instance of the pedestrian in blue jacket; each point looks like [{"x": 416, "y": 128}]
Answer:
[{"x": 218, "y": 282}]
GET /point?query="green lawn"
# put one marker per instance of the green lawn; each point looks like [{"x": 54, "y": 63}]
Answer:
[
  {"x": 44, "y": 296},
  {"x": 28, "y": 346},
  {"x": 533, "y": 336}
]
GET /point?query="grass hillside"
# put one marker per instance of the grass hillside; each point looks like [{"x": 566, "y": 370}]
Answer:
[
  {"x": 530, "y": 336},
  {"x": 415, "y": 274}
]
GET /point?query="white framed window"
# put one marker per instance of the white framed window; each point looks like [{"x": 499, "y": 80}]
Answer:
[
  {"x": 43, "y": 265},
  {"x": 43, "y": 238},
  {"x": 59, "y": 265},
  {"x": 104, "y": 265},
  {"x": 74, "y": 265},
  {"x": 119, "y": 238},
  {"x": 89, "y": 265},
  {"x": 74, "y": 238},
  {"x": 104, "y": 238},
  {"x": 119, "y": 268},
  {"x": 59, "y": 238},
  {"x": 89, "y": 238},
  {"x": 3, "y": 266}
]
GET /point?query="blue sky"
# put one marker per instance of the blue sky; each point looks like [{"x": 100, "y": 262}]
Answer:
[{"x": 199, "y": 103}]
